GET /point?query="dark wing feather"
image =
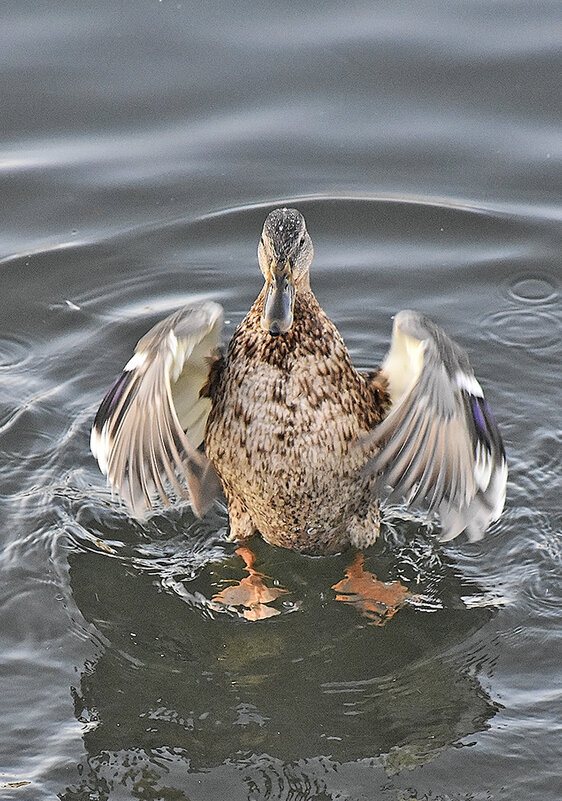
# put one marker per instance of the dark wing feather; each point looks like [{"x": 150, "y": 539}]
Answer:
[
  {"x": 439, "y": 442},
  {"x": 148, "y": 429}
]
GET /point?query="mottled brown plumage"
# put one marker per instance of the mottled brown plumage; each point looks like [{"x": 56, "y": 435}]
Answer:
[{"x": 286, "y": 414}]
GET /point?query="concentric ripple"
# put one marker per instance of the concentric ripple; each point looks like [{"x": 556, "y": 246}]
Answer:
[
  {"x": 540, "y": 289},
  {"x": 534, "y": 329}
]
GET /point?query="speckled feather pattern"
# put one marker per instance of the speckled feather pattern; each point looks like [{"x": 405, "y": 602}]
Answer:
[{"x": 285, "y": 413}]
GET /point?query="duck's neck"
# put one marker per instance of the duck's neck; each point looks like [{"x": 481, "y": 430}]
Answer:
[{"x": 303, "y": 285}]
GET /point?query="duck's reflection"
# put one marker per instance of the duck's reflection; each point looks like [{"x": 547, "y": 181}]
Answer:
[{"x": 182, "y": 698}]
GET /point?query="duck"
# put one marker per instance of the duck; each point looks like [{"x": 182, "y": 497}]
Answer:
[{"x": 303, "y": 445}]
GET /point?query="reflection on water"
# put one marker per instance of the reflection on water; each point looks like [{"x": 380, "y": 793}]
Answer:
[{"x": 214, "y": 690}]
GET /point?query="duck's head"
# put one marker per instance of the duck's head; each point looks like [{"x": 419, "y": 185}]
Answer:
[{"x": 284, "y": 253}]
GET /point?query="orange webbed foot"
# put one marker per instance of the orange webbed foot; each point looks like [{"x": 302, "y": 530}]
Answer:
[
  {"x": 377, "y": 600},
  {"x": 250, "y": 596}
]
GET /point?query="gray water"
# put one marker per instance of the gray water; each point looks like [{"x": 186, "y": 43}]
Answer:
[{"x": 142, "y": 144}]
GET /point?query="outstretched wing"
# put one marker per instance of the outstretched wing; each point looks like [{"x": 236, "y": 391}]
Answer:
[
  {"x": 439, "y": 442},
  {"x": 148, "y": 429}
]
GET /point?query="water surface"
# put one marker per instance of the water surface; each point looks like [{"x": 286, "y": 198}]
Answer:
[{"x": 142, "y": 147}]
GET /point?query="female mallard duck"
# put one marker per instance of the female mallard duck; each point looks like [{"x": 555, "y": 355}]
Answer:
[{"x": 301, "y": 442}]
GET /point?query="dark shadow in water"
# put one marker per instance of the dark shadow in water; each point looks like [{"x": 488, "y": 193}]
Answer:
[{"x": 182, "y": 691}]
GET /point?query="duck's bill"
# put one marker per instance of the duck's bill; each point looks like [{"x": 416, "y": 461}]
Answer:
[{"x": 277, "y": 315}]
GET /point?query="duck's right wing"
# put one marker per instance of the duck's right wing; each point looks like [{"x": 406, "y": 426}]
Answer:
[{"x": 150, "y": 425}]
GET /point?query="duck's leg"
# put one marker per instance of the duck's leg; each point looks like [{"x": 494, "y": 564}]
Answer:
[
  {"x": 250, "y": 596},
  {"x": 377, "y": 600}
]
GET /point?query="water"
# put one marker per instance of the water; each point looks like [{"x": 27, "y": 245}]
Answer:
[{"x": 142, "y": 146}]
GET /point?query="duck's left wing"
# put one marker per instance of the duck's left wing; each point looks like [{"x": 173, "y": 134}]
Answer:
[
  {"x": 439, "y": 442},
  {"x": 149, "y": 427}
]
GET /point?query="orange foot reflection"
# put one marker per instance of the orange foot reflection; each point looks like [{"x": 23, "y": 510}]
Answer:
[
  {"x": 377, "y": 600},
  {"x": 250, "y": 596}
]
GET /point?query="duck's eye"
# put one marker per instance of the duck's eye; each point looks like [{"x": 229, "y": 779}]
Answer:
[
  {"x": 261, "y": 241},
  {"x": 301, "y": 241}
]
